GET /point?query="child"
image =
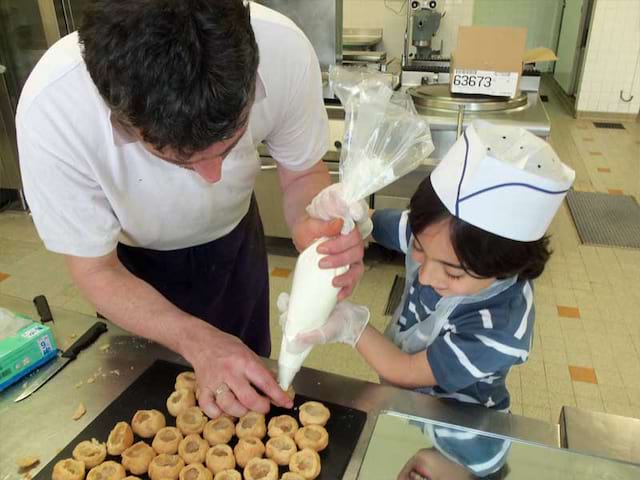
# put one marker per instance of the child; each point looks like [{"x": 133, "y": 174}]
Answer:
[{"x": 474, "y": 239}]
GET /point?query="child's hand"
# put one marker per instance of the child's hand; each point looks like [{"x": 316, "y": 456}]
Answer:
[{"x": 345, "y": 325}]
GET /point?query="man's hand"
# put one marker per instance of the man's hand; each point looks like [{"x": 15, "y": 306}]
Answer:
[
  {"x": 340, "y": 249},
  {"x": 228, "y": 374}
]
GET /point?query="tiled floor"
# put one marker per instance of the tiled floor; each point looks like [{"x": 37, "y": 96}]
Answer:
[{"x": 587, "y": 344}]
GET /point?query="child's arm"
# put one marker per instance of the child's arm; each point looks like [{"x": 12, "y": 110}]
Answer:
[
  {"x": 349, "y": 324},
  {"x": 392, "y": 364}
]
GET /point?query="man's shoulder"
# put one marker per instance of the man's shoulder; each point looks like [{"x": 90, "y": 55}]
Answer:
[
  {"x": 265, "y": 20},
  {"x": 61, "y": 70},
  {"x": 281, "y": 43}
]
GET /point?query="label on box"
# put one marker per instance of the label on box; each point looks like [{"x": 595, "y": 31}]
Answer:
[
  {"x": 484, "y": 82},
  {"x": 45, "y": 345},
  {"x": 33, "y": 331}
]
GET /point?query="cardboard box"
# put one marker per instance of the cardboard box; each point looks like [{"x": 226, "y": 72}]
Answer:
[
  {"x": 489, "y": 60},
  {"x": 31, "y": 347}
]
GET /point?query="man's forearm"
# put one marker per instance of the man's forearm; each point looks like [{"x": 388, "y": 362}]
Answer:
[
  {"x": 299, "y": 189},
  {"x": 133, "y": 304}
]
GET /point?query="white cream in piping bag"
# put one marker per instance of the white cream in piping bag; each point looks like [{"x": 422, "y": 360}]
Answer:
[{"x": 313, "y": 298}]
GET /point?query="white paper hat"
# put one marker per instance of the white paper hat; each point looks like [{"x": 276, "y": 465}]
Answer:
[{"x": 504, "y": 180}]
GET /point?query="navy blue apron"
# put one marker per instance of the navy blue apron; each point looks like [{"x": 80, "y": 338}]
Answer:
[{"x": 224, "y": 282}]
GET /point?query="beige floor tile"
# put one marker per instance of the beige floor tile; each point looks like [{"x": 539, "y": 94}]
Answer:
[
  {"x": 609, "y": 377},
  {"x": 557, "y": 370},
  {"x": 535, "y": 411},
  {"x": 579, "y": 359},
  {"x": 556, "y": 357},
  {"x": 623, "y": 409},
  {"x": 556, "y": 386},
  {"x": 554, "y": 412},
  {"x": 532, "y": 395},
  {"x": 516, "y": 408},
  {"x": 610, "y": 394},
  {"x": 633, "y": 394},
  {"x": 562, "y": 398},
  {"x": 593, "y": 404},
  {"x": 582, "y": 389},
  {"x": 630, "y": 379}
]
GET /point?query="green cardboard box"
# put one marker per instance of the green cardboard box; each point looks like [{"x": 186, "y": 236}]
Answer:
[{"x": 31, "y": 347}]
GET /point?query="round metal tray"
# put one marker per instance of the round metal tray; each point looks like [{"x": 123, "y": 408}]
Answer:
[{"x": 438, "y": 97}]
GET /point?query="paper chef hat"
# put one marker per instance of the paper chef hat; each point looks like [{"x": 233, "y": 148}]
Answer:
[{"x": 504, "y": 180}]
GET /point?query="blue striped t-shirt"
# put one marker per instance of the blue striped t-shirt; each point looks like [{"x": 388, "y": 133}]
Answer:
[{"x": 483, "y": 336}]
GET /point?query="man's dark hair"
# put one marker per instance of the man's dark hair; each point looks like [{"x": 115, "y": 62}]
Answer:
[
  {"x": 481, "y": 253},
  {"x": 183, "y": 72}
]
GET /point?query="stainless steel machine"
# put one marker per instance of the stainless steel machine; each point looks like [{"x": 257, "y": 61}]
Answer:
[{"x": 423, "y": 21}]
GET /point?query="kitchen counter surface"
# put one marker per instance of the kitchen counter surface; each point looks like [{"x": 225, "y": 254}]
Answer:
[{"x": 41, "y": 424}]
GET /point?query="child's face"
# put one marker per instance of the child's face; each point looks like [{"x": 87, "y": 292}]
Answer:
[{"x": 439, "y": 265}]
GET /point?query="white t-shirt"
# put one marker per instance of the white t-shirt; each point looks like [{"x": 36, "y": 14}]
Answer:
[{"x": 89, "y": 185}]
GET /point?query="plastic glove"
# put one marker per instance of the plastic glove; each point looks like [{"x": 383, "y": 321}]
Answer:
[
  {"x": 345, "y": 325},
  {"x": 329, "y": 204},
  {"x": 283, "y": 307}
]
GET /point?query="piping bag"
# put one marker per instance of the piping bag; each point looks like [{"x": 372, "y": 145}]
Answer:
[{"x": 384, "y": 139}]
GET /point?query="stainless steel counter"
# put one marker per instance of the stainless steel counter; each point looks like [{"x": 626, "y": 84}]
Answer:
[{"x": 41, "y": 425}]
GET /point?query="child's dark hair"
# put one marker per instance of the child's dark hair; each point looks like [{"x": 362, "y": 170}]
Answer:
[{"x": 481, "y": 253}]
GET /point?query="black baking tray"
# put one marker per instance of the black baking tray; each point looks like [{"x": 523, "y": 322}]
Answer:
[{"x": 153, "y": 387}]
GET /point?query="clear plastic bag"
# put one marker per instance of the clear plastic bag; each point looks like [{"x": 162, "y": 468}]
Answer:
[
  {"x": 384, "y": 136},
  {"x": 10, "y": 323}
]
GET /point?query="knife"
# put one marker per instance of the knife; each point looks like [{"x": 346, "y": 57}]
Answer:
[{"x": 68, "y": 355}]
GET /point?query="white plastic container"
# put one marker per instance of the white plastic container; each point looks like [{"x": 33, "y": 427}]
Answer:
[{"x": 313, "y": 298}]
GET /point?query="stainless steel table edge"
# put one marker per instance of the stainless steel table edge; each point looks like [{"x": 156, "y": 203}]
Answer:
[{"x": 41, "y": 424}]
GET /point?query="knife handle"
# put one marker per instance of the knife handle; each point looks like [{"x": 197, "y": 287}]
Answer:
[
  {"x": 85, "y": 340},
  {"x": 42, "y": 306}
]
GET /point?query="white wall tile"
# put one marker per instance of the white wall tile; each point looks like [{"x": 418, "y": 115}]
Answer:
[{"x": 612, "y": 58}]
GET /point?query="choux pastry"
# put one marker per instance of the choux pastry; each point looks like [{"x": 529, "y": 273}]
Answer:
[
  {"x": 306, "y": 463},
  {"x": 108, "y": 470},
  {"x": 179, "y": 400},
  {"x": 248, "y": 448},
  {"x": 165, "y": 467},
  {"x": 220, "y": 457},
  {"x": 314, "y": 437},
  {"x": 195, "y": 471},
  {"x": 291, "y": 476},
  {"x": 280, "y": 449},
  {"x": 193, "y": 449},
  {"x": 186, "y": 380},
  {"x": 228, "y": 475},
  {"x": 167, "y": 440},
  {"x": 92, "y": 452},
  {"x": 251, "y": 425},
  {"x": 261, "y": 469},
  {"x": 137, "y": 458},
  {"x": 219, "y": 430},
  {"x": 120, "y": 438},
  {"x": 282, "y": 425},
  {"x": 314, "y": 413},
  {"x": 146, "y": 423},
  {"x": 191, "y": 420},
  {"x": 68, "y": 469}
]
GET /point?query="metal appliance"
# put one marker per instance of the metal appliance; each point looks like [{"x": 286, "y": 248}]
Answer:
[
  {"x": 321, "y": 22},
  {"x": 423, "y": 22}
]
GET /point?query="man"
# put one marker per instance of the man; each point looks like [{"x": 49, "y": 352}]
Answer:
[{"x": 137, "y": 140}]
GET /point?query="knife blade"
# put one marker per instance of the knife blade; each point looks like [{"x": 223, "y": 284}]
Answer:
[{"x": 67, "y": 356}]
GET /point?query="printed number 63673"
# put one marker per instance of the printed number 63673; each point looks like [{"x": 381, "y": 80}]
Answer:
[{"x": 472, "y": 81}]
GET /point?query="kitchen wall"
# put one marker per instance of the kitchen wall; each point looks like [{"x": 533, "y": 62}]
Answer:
[
  {"x": 391, "y": 15},
  {"x": 612, "y": 62},
  {"x": 540, "y": 17}
]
